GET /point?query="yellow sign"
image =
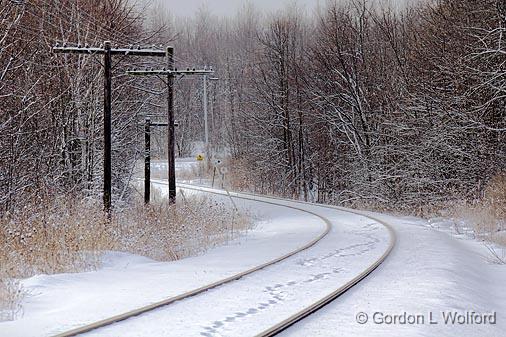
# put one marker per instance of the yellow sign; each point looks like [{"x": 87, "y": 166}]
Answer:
[{"x": 200, "y": 157}]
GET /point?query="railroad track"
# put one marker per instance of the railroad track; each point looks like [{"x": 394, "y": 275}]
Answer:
[
  {"x": 281, "y": 326},
  {"x": 300, "y": 315}
]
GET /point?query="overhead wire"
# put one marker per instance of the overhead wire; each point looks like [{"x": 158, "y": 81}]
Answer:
[
  {"x": 87, "y": 18},
  {"x": 54, "y": 25},
  {"x": 67, "y": 18},
  {"x": 124, "y": 37},
  {"x": 177, "y": 59},
  {"x": 83, "y": 15},
  {"x": 95, "y": 28}
]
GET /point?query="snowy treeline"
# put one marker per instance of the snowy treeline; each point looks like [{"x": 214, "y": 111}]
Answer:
[
  {"x": 353, "y": 103},
  {"x": 51, "y": 120},
  {"x": 358, "y": 103}
]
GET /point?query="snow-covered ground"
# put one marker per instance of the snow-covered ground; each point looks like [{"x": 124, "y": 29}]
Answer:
[
  {"x": 60, "y": 302},
  {"x": 430, "y": 272},
  {"x": 257, "y": 301},
  {"x": 183, "y": 164}
]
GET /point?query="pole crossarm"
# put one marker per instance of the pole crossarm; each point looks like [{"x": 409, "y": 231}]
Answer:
[
  {"x": 169, "y": 72},
  {"x": 107, "y": 51},
  {"x": 162, "y": 124},
  {"x": 114, "y": 51}
]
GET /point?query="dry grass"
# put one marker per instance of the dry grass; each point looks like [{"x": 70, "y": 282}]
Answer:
[
  {"x": 63, "y": 234},
  {"x": 240, "y": 178},
  {"x": 495, "y": 199},
  {"x": 53, "y": 236},
  {"x": 70, "y": 234},
  {"x": 193, "y": 172},
  {"x": 11, "y": 294},
  {"x": 488, "y": 217},
  {"x": 169, "y": 232}
]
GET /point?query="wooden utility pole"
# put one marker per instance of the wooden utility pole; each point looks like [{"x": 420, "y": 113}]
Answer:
[
  {"x": 107, "y": 126},
  {"x": 206, "y": 121},
  {"x": 171, "y": 156},
  {"x": 147, "y": 160},
  {"x": 147, "y": 156},
  {"x": 170, "y": 72},
  {"x": 206, "y": 126},
  {"x": 108, "y": 52}
]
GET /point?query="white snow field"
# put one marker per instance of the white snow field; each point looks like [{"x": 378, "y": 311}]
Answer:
[
  {"x": 57, "y": 303},
  {"x": 429, "y": 272},
  {"x": 255, "y": 302}
]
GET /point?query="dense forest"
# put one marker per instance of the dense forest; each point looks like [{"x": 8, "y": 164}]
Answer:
[{"x": 352, "y": 104}]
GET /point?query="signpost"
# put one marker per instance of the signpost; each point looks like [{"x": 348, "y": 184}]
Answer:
[{"x": 200, "y": 160}]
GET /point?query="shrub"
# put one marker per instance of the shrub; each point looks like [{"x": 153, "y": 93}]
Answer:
[{"x": 70, "y": 233}]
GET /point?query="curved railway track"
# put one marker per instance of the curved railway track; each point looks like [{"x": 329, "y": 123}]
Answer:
[
  {"x": 286, "y": 323},
  {"x": 300, "y": 315}
]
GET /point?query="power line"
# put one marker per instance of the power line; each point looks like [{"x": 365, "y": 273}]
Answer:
[
  {"x": 62, "y": 20},
  {"x": 170, "y": 72},
  {"x": 64, "y": 16},
  {"x": 88, "y": 18},
  {"x": 107, "y": 51},
  {"x": 97, "y": 29}
]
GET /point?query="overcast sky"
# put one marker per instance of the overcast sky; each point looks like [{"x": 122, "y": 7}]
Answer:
[{"x": 230, "y": 7}]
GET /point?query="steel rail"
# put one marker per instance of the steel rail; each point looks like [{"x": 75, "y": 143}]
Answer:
[
  {"x": 291, "y": 320},
  {"x": 315, "y": 306},
  {"x": 136, "y": 312},
  {"x": 299, "y": 316}
]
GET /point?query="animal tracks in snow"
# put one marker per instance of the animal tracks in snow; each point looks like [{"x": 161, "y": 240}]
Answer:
[{"x": 280, "y": 292}]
